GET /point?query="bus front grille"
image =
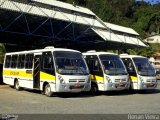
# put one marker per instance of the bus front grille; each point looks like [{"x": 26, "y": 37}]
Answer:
[
  {"x": 151, "y": 80},
  {"x": 76, "y": 80},
  {"x": 120, "y": 80}
]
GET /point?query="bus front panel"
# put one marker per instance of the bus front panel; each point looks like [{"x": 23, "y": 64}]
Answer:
[{"x": 72, "y": 74}]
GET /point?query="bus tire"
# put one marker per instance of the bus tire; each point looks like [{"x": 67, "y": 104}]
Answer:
[
  {"x": 47, "y": 90},
  {"x": 131, "y": 90},
  {"x": 94, "y": 89},
  {"x": 16, "y": 85}
]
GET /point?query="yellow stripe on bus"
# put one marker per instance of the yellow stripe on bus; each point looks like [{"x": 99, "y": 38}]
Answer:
[
  {"x": 133, "y": 78},
  {"x": 22, "y": 73},
  {"x": 18, "y": 73},
  {"x": 96, "y": 78},
  {"x": 45, "y": 76}
]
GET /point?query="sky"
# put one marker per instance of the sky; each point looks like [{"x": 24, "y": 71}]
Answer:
[{"x": 151, "y": 1}]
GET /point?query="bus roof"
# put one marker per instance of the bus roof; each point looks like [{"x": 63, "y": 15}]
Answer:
[
  {"x": 130, "y": 56},
  {"x": 98, "y": 53},
  {"x": 43, "y": 50}
]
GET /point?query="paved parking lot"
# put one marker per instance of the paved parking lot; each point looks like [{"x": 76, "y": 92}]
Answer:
[{"x": 33, "y": 102}]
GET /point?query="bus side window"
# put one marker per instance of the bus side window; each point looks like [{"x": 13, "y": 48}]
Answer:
[
  {"x": 14, "y": 61},
  {"x": 90, "y": 65},
  {"x": 29, "y": 61},
  {"x": 7, "y": 61},
  {"x": 129, "y": 66},
  {"x": 21, "y": 61},
  {"x": 96, "y": 65},
  {"x": 47, "y": 62},
  {"x": 97, "y": 70}
]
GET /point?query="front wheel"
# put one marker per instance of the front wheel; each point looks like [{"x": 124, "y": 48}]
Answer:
[
  {"x": 94, "y": 89},
  {"x": 47, "y": 90},
  {"x": 16, "y": 85}
]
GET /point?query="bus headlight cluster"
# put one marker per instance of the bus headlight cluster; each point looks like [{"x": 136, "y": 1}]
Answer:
[
  {"x": 128, "y": 80},
  {"x": 88, "y": 80},
  {"x": 108, "y": 79},
  {"x": 61, "y": 79},
  {"x": 141, "y": 79}
]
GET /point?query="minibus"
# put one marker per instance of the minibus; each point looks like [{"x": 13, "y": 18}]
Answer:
[
  {"x": 107, "y": 70},
  {"x": 49, "y": 70},
  {"x": 141, "y": 73}
]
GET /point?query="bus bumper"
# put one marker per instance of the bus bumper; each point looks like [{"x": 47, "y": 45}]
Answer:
[
  {"x": 78, "y": 87},
  {"x": 144, "y": 86},
  {"x": 117, "y": 86}
]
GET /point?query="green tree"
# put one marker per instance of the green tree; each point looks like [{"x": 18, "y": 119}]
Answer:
[
  {"x": 141, "y": 16},
  {"x": 2, "y": 52}
]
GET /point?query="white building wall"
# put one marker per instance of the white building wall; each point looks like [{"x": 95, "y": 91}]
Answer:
[{"x": 153, "y": 39}]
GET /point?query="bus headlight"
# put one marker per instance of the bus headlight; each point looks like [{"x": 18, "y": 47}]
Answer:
[
  {"x": 108, "y": 79},
  {"x": 141, "y": 79},
  {"x": 61, "y": 79},
  {"x": 88, "y": 80}
]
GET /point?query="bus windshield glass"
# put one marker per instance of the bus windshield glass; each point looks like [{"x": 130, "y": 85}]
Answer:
[
  {"x": 143, "y": 67},
  {"x": 70, "y": 63},
  {"x": 112, "y": 65}
]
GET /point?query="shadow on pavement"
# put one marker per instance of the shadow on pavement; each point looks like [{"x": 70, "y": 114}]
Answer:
[
  {"x": 108, "y": 93},
  {"x": 131, "y": 92},
  {"x": 88, "y": 94},
  {"x": 75, "y": 95},
  {"x": 152, "y": 91},
  {"x": 63, "y": 95}
]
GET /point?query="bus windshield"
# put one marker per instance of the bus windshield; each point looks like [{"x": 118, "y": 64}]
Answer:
[
  {"x": 113, "y": 65},
  {"x": 143, "y": 67},
  {"x": 70, "y": 63}
]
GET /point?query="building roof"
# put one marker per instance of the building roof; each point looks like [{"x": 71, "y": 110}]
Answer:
[
  {"x": 121, "y": 28},
  {"x": 153, "y": 39},
  {"x": 66, "y": 6},
  {"x": 121, "y": 38},
  {"x": 75, "y": 14}
]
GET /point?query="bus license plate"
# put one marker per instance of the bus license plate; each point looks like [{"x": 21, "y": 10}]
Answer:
[
  {"x": 150, "y": 85},
  {"x": 120, "y": 85},
  {"x": 76, "y": 86}
]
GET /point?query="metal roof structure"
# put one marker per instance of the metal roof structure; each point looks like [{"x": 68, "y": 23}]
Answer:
[
  {"x": 67, "y": 6},
  {"x": 119, "y": 34},
  {"x": 122, "y": 29},
  {"x": 51, "y": 22}
]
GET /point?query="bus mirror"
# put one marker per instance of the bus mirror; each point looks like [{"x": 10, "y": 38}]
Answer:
[{"x": 130, "y": 68}]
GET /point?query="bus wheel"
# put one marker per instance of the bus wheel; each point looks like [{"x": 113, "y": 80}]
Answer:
[
  {"x": 16, "y": 85},
  {"x": 47, "y": 90},
  {"x": 130, "y": 88},
  {"x": 94, "y": 88}
]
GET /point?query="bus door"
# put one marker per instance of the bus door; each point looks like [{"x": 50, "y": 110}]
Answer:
[
  {"x": 131, "y": 70},
  {"x": 95, "y": 69},
  {"x": 36, "y": 71},
  {"x": 47, "y": 68}
]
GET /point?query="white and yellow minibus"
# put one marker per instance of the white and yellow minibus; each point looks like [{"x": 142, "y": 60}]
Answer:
[
  {"x": 49, "y": 70},
  {"x": 142, "y": 74},
  {"x": 107, "y": 70}
]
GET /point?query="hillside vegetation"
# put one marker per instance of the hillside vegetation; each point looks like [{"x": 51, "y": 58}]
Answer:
[{"x": 141, "y": 16}]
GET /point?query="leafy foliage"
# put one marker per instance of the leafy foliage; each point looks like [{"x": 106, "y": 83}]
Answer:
[
  {"x": 2, "y": 52},
  {"x": 139, "y": 15}
]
